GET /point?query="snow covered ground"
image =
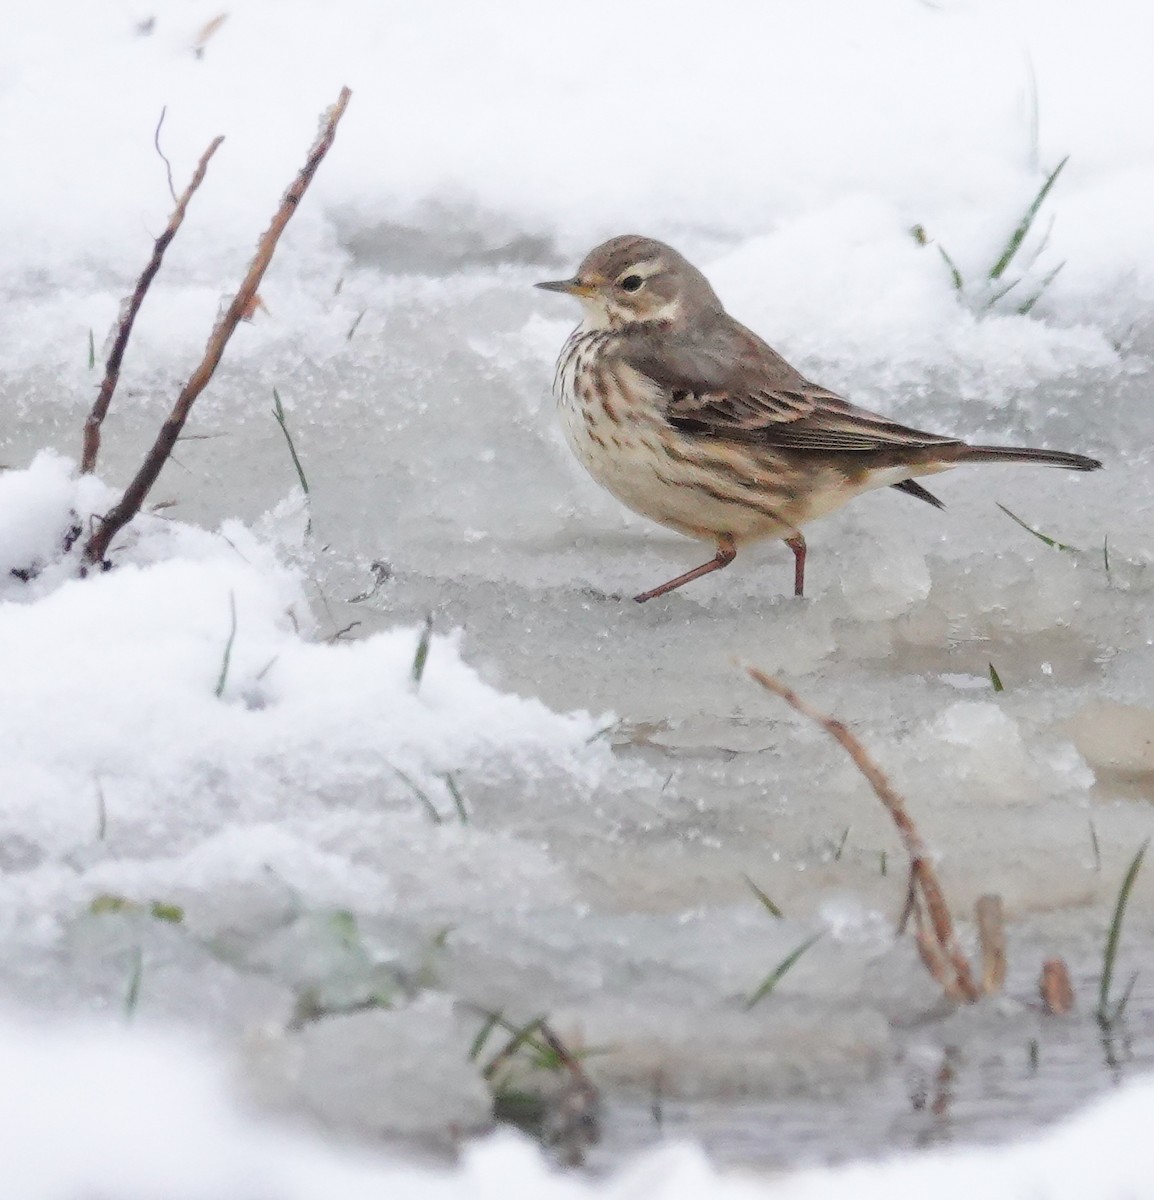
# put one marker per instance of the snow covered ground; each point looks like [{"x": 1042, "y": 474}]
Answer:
[
  {"x": 81, "y": 1114},
  {"x": 226, "y": 807}
]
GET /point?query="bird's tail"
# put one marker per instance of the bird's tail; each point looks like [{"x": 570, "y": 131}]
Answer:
[{"x": 1027, "y": 454}]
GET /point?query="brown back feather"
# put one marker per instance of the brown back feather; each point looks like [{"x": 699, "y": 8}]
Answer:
[{"x": 724, "y": 382}]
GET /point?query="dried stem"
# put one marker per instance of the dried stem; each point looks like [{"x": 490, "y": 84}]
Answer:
[
  {"x": 157, "y": 456},
  {"x": 163, "y": 156},
  {"x": 991, "y": 919},
  {"x": 132, "y": 307},
  {"x": 1056, "y": 988},
  {"x": 933, "y": 925}
]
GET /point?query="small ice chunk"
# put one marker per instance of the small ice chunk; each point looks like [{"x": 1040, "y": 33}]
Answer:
[
  {"x": 1115, "y": 738},
  {"x": 965, "y": 683},
  {"x": 887, "y": 583},
  {"x": 401, "y": 1071},
  {"x": 986, "y": 750}
]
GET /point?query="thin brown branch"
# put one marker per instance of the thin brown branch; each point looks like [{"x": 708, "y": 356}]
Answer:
[
  {"x": 137, "y": 490},
  {"x": 936, "y": 940},
  {"x": 132, "y": 306},
  {"x": 991, "y": 918}
]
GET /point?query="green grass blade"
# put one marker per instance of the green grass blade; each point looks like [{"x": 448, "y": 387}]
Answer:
[
  {"x": 955, "y": 274},
  {"x": 1106, "y": 1014},
  {"x": 996, "y": 679},
  {"x": 458, "y": 799},
  {"x": 132, "y": 996},
  {"x": 1052, "y": 542},
  {"x": 1000, "y": 293},
  {"x": 766, "y": 902},
  {"x": 841, "y": 845},
  {"x": 1094, "y": 846},
  {"x": 1026, "y": 308},
  {"x": 91, "y": 351},
  {"x": 521, "y": 1037},
  {"x": 226, "y": 658},
  {"x": 278, "y": 413},
  {"x": 1040, "y": 248},
  {"x": 1023, "y": 227},
  {"x": 778, "y": 973},
  {"x": 1119, "y": 1009},
  {"x": 492, "y": 1020},
  {"x": 356, "y": 321},
  {"x": 422, "y": 654},
  {"x": 421, "y": 795}
]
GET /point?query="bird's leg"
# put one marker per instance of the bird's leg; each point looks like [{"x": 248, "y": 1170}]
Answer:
[
  {"x": 726, "y": 553},
  {"x": 797, "y": 545}
]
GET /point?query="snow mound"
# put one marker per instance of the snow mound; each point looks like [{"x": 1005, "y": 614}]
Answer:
[{"x": 177, "y": 702}]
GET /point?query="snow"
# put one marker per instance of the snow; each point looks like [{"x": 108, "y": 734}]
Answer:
[
  {"x": 83, "y": 1114},
  {"x": 129, "y": 670},
  {"x": 619, "y": 774}
]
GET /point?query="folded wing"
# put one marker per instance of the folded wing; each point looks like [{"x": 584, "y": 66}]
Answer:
[{"x": 722, "y": 381}]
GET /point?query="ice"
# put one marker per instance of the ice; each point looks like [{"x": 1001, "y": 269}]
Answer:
[
  {"x": 1115, "y": 739},
  {"x": 379, "y": 1072},
  {"x": 343, "y": 926}
]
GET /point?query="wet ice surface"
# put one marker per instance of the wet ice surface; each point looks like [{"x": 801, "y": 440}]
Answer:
[{"x": 599, "y": 879}]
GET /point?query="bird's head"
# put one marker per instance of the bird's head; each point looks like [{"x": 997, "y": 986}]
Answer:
[{"x": 632, "y": 280}]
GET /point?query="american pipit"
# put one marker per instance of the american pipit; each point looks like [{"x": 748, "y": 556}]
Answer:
[{"x": 693, "y": 421}]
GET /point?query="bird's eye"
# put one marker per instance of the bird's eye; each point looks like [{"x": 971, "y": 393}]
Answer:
[{"x": 631, "y": 283}]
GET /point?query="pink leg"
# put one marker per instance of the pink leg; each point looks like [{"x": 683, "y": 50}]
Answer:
[
  {"x": 726, "y": 553},
  {"x": 797, "y": 545}
]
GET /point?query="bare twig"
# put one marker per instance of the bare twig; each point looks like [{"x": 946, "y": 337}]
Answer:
[
  {"x": 157, "y": 456},
  {"x": 132, "y": 307},
  {"x": 163, "y": 156},
  {"x": 933, "y": 925}
]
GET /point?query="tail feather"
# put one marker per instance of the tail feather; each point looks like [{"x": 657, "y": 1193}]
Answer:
[
  {"x": 1027, "y": 454},
  {"x": 915, "y": 489}
]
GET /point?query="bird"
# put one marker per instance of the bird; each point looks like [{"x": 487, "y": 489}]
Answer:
[{"x": 689, "y": 418}]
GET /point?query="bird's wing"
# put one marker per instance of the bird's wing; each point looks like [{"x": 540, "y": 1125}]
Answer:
[{"x": 722, "y": 381}]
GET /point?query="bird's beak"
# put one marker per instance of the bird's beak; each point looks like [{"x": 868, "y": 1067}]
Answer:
[{"x": 572, "y": 287}]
